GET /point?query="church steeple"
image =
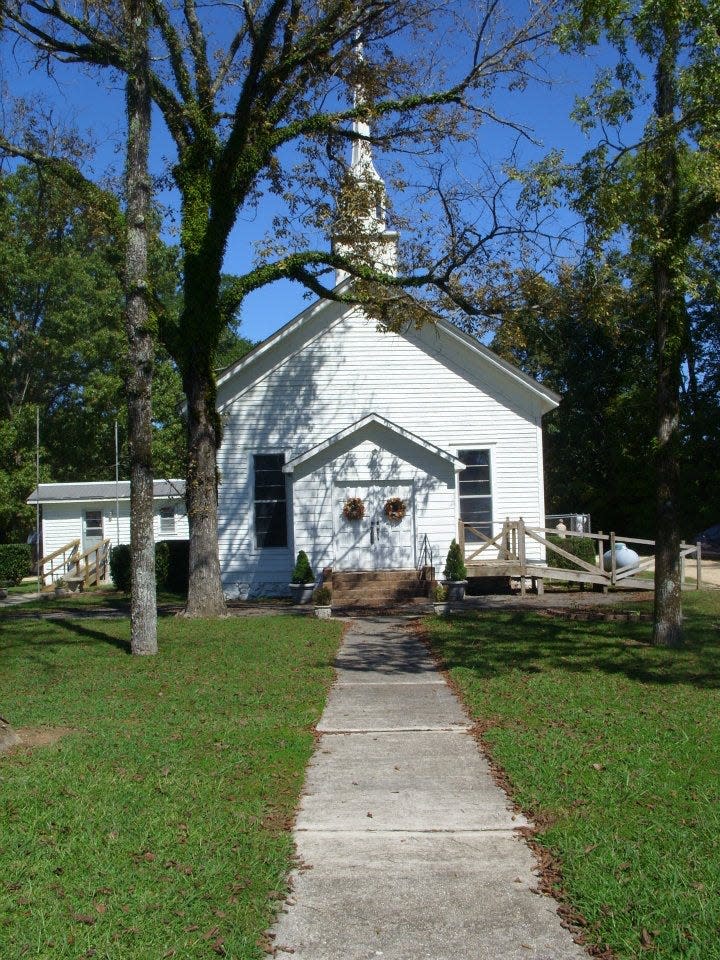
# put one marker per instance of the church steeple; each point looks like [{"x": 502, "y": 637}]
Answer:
[{"x": 361, "y": 218}]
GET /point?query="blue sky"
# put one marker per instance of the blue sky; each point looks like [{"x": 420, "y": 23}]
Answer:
[{"x": 77, "y": 97}]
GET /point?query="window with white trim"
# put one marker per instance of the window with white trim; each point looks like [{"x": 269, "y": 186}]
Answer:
[
  {"x": 270, "y": 500},
  {"x": 475, "y": 493},
  {"x": 167, "y": 519},
  {"x": 93, "y": 525}
]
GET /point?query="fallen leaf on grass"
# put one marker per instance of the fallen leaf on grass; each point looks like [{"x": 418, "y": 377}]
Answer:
[
  {"x": 100, "y": 908},
  {"x": 646, "y": 940}
]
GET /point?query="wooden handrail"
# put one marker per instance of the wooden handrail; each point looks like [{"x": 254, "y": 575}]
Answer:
[
  {"x": 92, "y": 575},
  {"x": 69, "y": 548},
  {"x": 72, "y": 544},
  {"x": 514, "y": 533}
]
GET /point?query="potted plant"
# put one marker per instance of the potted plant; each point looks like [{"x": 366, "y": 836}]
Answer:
[
  {"x": 441, "y": 607},
  {"x": 302, "y": 581},
  {"x": 455, "y": 572},
  {"x": 322, "y": 598}
]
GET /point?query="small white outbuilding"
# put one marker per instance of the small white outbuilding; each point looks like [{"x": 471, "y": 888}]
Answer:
[{"x": 92, "y": 512}]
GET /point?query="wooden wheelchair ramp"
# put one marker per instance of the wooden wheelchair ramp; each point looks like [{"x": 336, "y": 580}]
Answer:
[{"x": 524, "y": 552}]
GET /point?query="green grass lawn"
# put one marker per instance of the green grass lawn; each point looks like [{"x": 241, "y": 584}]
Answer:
[
  {"x": 159, "y": 826},
  {"x": 27, "y": 586},
  {"x": 614, "y": 746}
]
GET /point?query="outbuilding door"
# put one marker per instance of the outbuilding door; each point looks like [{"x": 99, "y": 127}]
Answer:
[{"x": 374, "y": 543}]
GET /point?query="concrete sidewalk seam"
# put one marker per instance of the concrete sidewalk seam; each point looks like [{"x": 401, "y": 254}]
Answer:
[
  {"x": 450, "y": 831},
  {"x": 390, "y": 683},
  {"x": 344, "y": 730}
]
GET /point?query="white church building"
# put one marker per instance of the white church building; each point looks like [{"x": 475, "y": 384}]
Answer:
[{"x": 330, "y": 418}]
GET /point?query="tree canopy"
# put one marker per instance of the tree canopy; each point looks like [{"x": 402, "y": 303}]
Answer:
[{"x": 62, "y": 343}]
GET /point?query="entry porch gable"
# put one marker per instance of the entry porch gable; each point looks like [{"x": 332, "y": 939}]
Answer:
[{"x": 375, "y": 461}]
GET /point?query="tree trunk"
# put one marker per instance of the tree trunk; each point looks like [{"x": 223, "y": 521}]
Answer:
[
  {"x": 670, "y": 337},
  {"x": 205, "y": 595},
  {"x": 143, "y": 611}
]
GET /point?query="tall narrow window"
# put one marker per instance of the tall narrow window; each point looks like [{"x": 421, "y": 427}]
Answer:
[
  {"x": 475, "y": 493},
  {"x": 270, "y": 500}
]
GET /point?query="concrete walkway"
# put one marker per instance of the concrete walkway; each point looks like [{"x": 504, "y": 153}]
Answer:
[{"x": 405, "y": 844}]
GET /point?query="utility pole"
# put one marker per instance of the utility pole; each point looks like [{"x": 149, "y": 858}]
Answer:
[
  {"x": 38, "y": 547},
  {"x": 117, "y": 487}
]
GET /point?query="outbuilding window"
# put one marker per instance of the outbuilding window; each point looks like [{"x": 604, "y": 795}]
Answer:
[
  {"x": 270, "y": 500},
  {"x": 476, "y": 493},
  {"x": 93, "y": 526},
  {"x": 167, "y": 519}
]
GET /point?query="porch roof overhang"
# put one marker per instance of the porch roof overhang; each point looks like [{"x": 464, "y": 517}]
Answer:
[{"x": 357, "y": 427}]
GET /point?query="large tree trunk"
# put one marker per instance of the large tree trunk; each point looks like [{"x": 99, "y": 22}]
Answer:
[
  {"x": 140, "y": 339},
  {"x": 670, "y": 337},
  {"x": 205, "y": 595}
]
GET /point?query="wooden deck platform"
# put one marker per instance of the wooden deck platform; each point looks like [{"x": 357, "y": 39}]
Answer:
[{"x": 514, "y": 570}]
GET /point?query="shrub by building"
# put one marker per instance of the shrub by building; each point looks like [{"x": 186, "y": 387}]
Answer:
[{"x": 15, "y": 563}]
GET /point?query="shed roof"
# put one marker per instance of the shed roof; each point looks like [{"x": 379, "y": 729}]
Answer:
[{"x": 101, "y": 490}]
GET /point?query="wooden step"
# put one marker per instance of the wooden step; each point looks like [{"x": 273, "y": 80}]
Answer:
[{"x": 376, "y": 588}]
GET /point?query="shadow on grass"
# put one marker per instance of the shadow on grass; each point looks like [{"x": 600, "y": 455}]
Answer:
[
  {"x": 493, "y": 644},
  {"x": 88, "y": 634},
  {"x": 52, "y": 635}
]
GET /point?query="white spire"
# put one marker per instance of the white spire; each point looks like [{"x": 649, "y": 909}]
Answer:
[
  {"x": 361, "y": 159},
  {"x": 378, "y": 243}
]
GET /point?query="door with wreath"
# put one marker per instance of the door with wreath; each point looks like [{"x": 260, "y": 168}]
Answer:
[{"x": 375, "y": 526}]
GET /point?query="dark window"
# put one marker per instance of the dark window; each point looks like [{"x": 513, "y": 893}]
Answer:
[
  {"x": 270, "y": 500},
  {"x": 475, "y": 493}
]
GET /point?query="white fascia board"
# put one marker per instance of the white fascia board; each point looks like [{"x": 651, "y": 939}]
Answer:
[
  {"x": 88, "y": 499},
  {"x": 359, "y": 425}
]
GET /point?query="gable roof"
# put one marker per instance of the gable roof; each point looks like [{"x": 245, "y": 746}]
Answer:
[
  {"x": 548, "y": 398},
  {"x": 101, "y": 490},
  {"x": 372, "y": 418}
]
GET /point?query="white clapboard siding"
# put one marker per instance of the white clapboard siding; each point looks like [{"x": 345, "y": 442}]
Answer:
[{"x": 332, "y": 371}]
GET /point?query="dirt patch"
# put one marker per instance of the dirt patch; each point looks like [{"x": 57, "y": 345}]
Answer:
[{"x": 29, "y": 738}]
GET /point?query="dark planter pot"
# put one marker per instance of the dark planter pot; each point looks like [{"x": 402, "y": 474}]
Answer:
[
  {"x": 302, "y": 592},
  {"x": 455, "y": 589}
]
